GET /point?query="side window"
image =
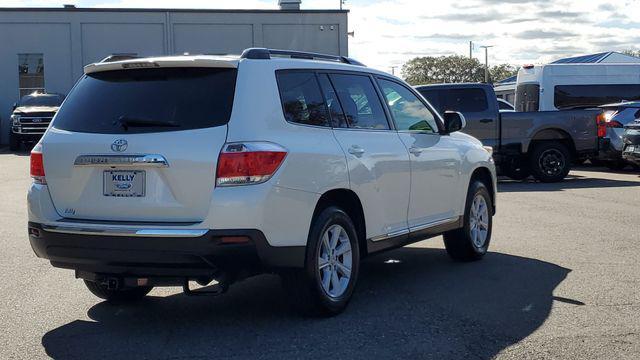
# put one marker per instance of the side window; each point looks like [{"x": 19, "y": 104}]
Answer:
[
  {"x": 360, "y": 102},
  {"x": 409, "y": 113},
  {"x": 335, "y": 109},
  {"x": 466, "y": 100},
  {"x": 301, "y": 98}
]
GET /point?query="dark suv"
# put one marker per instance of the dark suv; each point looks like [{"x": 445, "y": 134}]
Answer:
[{"x": 31, "y": 117}]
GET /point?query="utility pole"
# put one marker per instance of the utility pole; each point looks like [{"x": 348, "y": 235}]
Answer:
[
  {"x": 393, "y": 70},
  {"x": 341, "y": 3},
  {"x": 470, "y": 49},
  {"x": 486, "y": 62}
]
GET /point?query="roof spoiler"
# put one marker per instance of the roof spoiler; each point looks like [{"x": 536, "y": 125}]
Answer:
[
  {"x": 265, "y": 54},
  {"x": 119, "y": 57}
]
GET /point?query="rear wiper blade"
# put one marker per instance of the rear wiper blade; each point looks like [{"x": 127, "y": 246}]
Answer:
[{"x": 130, "y": 121}]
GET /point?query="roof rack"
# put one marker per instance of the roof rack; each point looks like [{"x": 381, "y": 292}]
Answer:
[
  {"x": 265, "y": 54},
  {"x": 119, "y": 57}
]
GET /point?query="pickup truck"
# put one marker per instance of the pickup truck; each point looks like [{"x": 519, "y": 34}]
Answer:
[{"x": 541, "y": 143}]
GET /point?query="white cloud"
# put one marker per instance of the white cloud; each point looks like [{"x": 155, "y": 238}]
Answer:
[{"x": 390, "y": 32}]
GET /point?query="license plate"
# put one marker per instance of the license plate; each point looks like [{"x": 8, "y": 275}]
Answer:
[{"x": 124, "y": 183}]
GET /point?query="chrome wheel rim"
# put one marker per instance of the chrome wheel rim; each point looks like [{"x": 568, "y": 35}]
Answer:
[
  {"x": 551, "y": 162},
  {"x": 479, "y": 221},
  {"x": 335, "y": 261}
]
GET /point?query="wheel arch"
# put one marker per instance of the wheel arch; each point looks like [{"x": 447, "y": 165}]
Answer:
[
  {"x": 483, "y": 174},
  {"x": 348, "y": 201},
  {"x": 552, "y": 134}
]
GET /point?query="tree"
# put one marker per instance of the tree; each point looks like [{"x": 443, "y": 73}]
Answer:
[
  {"x": 442, "y": 69},
  {"x": 452, "y": 69},
  {"x": 631, "y": 52},
  {"x": 501, "y": 72}
]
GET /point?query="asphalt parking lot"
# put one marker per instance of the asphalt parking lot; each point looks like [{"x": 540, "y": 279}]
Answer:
[{"x": 562, "y": 280}]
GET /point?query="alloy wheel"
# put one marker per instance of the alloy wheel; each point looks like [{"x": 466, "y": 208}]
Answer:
[
  {"x": 479, "y": 221},
  {"x": 335, "y": 261}
]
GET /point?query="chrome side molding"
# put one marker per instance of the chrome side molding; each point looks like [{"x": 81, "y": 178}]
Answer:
[
  {"x": 113, "y": 231},
  {"x": 148, "y": 160},
  {"x": 414, "y": 229}
]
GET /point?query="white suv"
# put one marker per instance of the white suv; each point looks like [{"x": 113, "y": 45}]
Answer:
[{"x": 161, "y": 171}]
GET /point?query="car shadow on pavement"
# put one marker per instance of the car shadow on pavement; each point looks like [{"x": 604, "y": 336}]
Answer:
[
  {"x": 571, "y": 182},
  {"x": 25, "y": 151},
  {"x": 410, "y": 302}
]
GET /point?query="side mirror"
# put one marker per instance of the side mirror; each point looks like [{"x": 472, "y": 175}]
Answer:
[
  {"x": 454, "y": 121},
  {"x": 15, "y": 105}
]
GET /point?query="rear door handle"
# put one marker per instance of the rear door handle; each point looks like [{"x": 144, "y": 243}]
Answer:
[
  {"x": 415, "y": 151},
  {"x": 356, "y": 150},
  {"x": 486, "y": 120}
]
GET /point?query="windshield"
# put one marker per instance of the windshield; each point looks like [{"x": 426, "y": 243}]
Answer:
[
  {"x": 146, "y": 100},
  {"x": 41, "y": 100}
]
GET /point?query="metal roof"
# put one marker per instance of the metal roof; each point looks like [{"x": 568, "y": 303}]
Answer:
[
  {"x": 585, "y": 59},
  {"x": 510, "y": 79},
  {"x": 153, "y": 10}
]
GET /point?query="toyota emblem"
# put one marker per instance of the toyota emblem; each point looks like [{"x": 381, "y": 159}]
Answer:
[{"x": 119, "y": 145}]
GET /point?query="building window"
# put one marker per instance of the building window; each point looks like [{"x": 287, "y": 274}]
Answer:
[{"x": 30, "y": 73}]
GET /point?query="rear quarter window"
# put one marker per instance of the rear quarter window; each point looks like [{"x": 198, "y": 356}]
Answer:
[
  {"x": 186, "y": 98},
  {"x": 465, "y": 100},
  {"x": 302, "y": 100},
  {"x": 462, "y": 100}
]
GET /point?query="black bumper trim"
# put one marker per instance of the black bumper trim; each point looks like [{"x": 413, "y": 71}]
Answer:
[{"x": 189, "y": 257}]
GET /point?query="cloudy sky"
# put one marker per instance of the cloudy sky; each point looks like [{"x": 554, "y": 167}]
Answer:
[{"x": 390, "y": 32}]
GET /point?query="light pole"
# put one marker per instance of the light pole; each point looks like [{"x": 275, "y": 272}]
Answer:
[
  {"x": 393, "y": 70},
  {"x": 341, "y": 3},
  {"x": 486, "y": 62}
]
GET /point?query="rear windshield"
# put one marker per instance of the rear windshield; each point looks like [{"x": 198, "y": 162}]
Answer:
[
  {"x": 466, "y": 100},
  {"x": 527, "y": 97},
  {"x": 149, "y": 100}
]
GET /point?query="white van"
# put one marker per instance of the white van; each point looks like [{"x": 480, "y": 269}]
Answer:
[{"x": 564, "y": 86}]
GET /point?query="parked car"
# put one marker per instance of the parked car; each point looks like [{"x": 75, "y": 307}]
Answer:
[
  {"x": 570, "y": 86},
  {"x": 31, "y": 117},
  {"x": 617, "y": 116},
  {"x": 158, "y": 171},
  {"x": 505, "y": 106},
  {"x": 540, "y": 143},
  {"x": 631, "y": 139}
]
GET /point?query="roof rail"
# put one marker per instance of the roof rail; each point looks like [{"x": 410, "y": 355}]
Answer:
[
  {"x": 265, "y": 54},
  {"x": 119, "y": 57}
]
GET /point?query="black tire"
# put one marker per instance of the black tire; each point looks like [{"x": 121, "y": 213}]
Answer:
[
  {"x": 125, "y": 295},
  {"x": 14, "y": 142},
  {"x": 518, "y": 171},
  {"x": 460, "y": 243},
  {"x": 304, "y": 286},
  {"x": 550, "y": 161}
]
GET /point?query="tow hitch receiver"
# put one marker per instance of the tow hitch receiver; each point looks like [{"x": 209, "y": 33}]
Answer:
[{"x": 217, "y": 289}]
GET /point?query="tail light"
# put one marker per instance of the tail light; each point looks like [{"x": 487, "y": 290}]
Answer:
[
  {"x": 37, "y": 165},
  {"x": 601, "y": 121},
  {"x": 614, "y": 124},
  {"x": 248, "y": 163}
]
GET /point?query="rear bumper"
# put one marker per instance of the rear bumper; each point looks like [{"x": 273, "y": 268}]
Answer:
[
  {"x": 607, "y": 151},
  {"x": 633, "y": 157},
  {"x": 189, "y": 257}
]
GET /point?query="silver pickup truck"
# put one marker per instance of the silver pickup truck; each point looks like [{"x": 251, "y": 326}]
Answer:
[{"x": 544, "y": 144}]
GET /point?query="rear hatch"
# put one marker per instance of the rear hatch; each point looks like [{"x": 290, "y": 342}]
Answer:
[{"x": 140, "y": 142}]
